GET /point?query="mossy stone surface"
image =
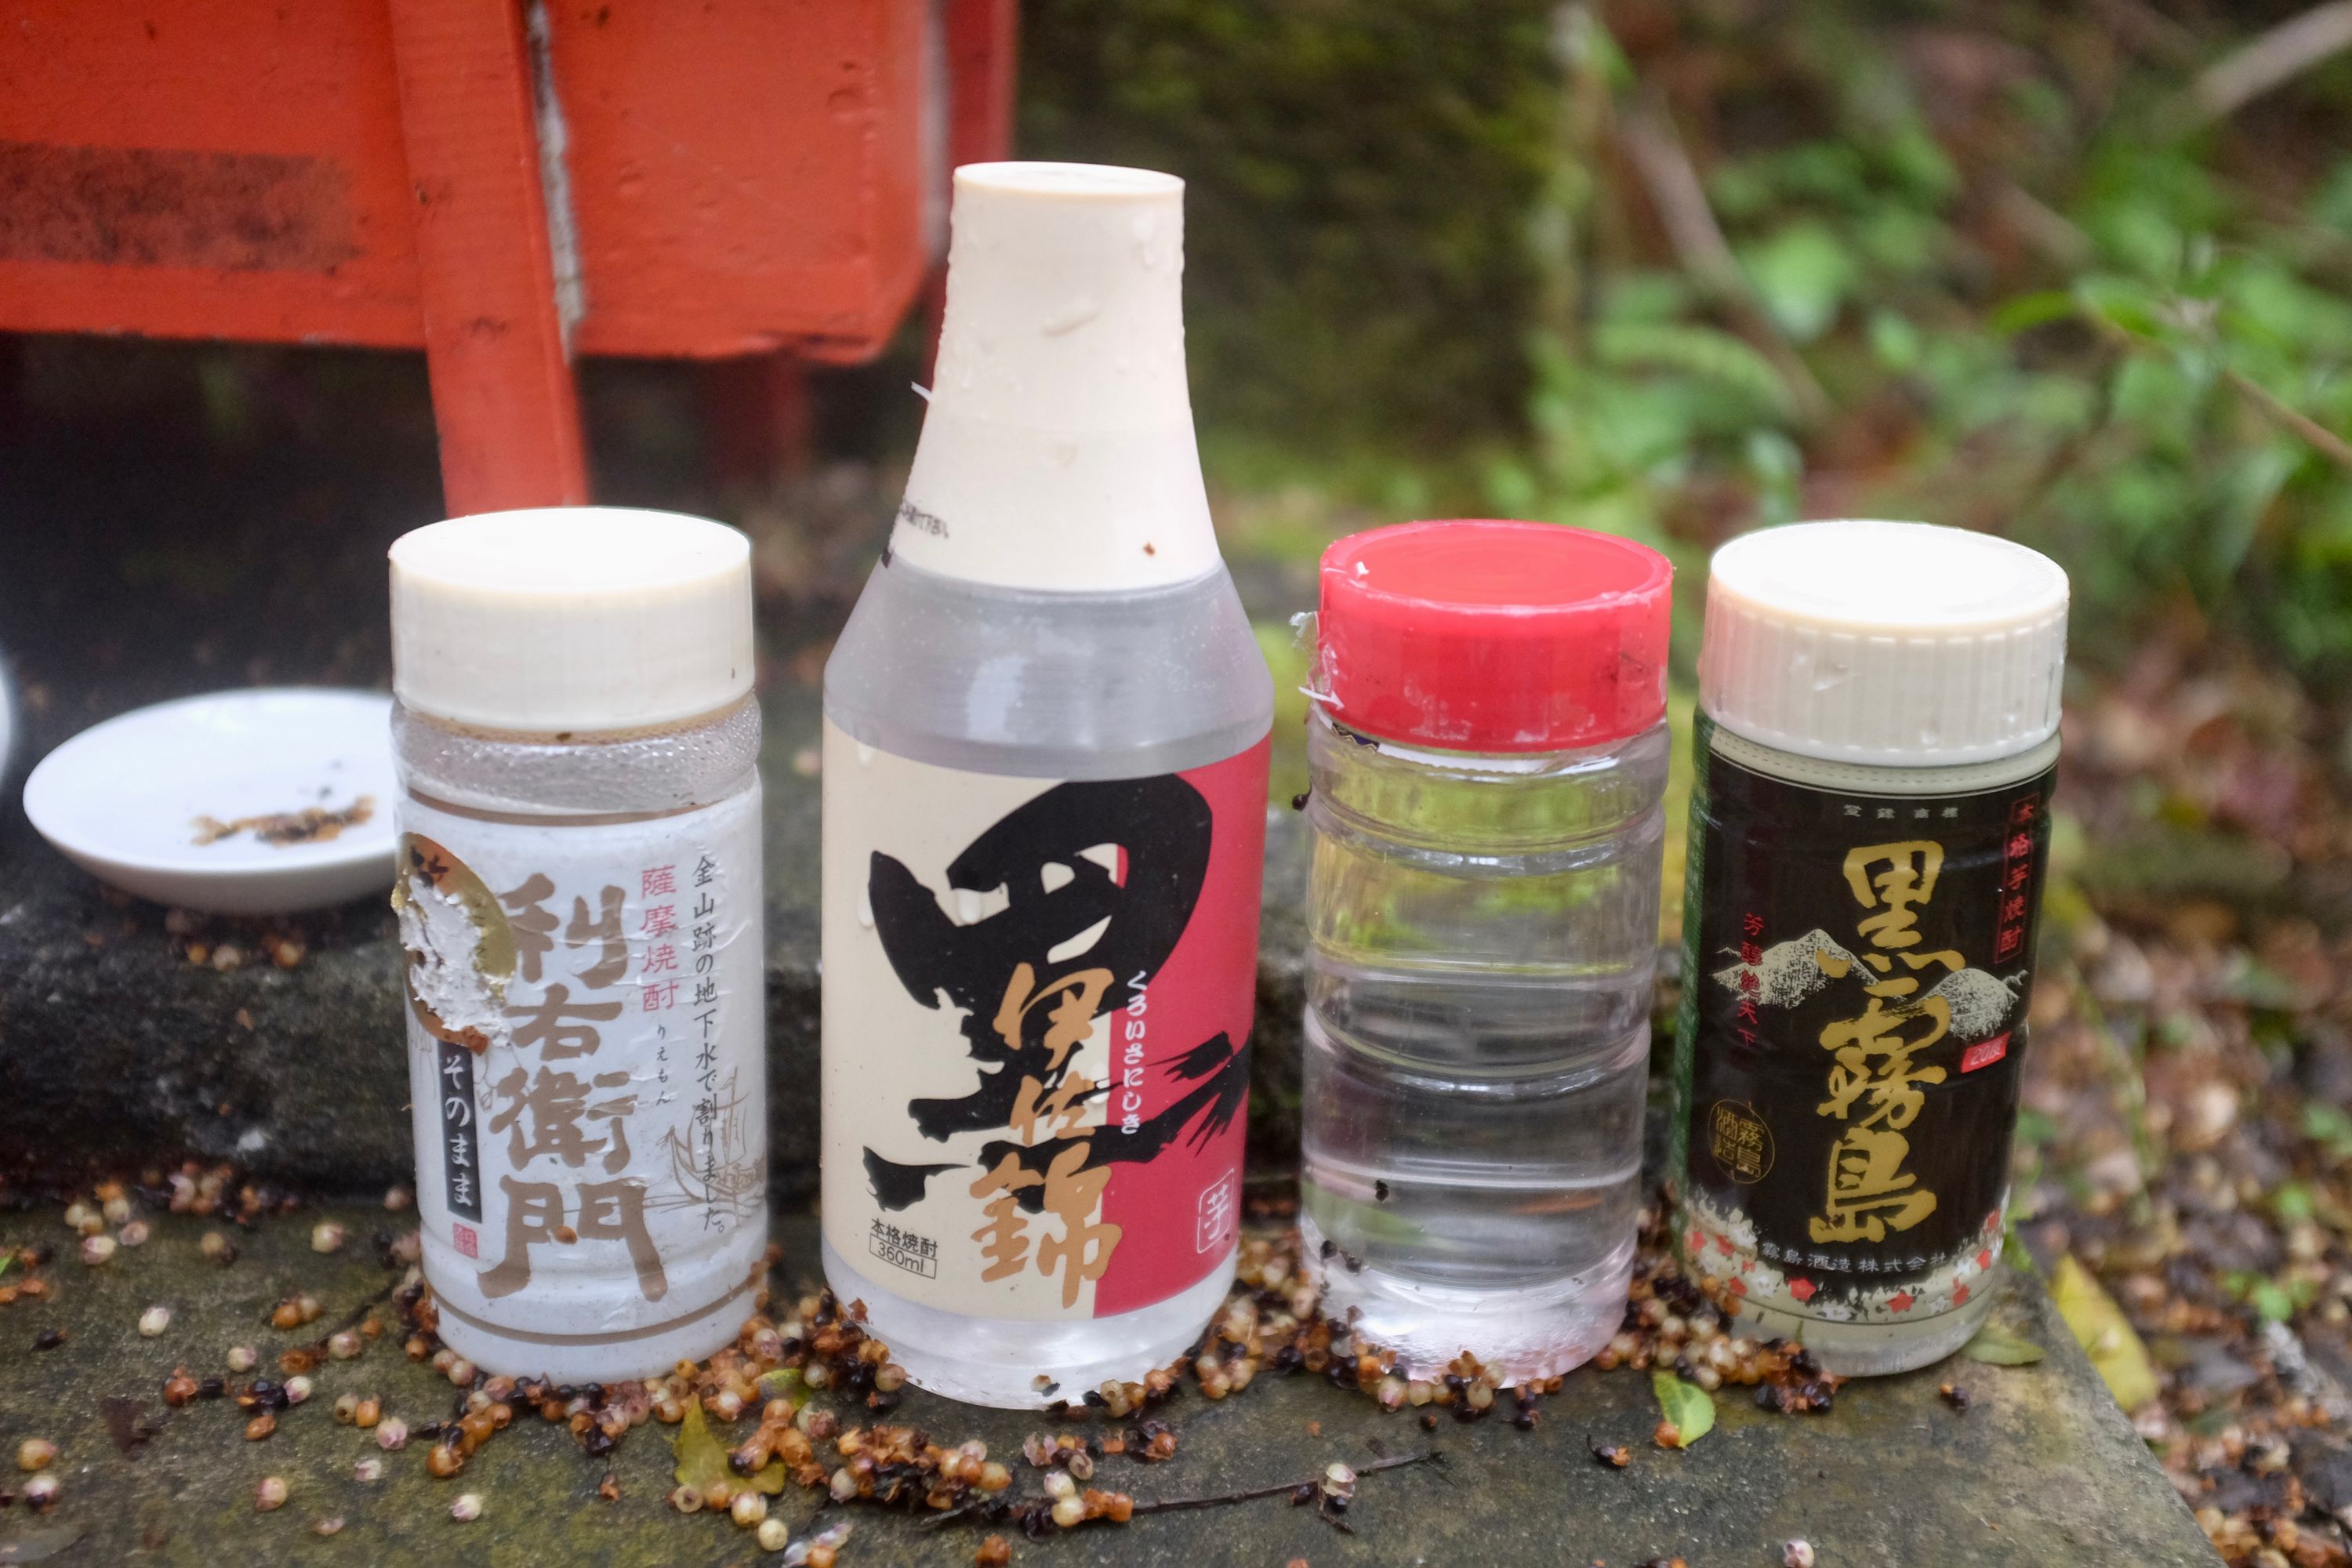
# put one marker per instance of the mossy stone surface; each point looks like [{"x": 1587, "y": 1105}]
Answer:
[{"x": 2040, "y": 1469}]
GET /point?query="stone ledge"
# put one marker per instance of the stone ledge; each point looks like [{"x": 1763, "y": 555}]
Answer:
[{"x": 2041, "y": 1468}]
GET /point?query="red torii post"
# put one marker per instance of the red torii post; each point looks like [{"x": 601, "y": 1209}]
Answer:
[{"x": 504, "y": 184}]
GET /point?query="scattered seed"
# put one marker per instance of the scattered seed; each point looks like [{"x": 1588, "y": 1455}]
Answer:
[
  {"x": 368, "y": 1470},
  {"x": 396, "y": 1198},
  {"x": 1954, "y": 1395},
  {"x": 347, "y": 1345},
  {"x": 41, "y": 1492},
  {"x": 748, "y": 1508},
  {"x": 331, "y": 1525},
  {"x": 1797, "y": 1555},
  {"x": 468, "y": 1506},
  {"x": 243, "y": 1358},
  {"x": 34, "y": 1454},
  {"x": 98, "y": 1250},
  {"x": 297, "y": 1389},
  {"x": 270, "y": 1495},
  {"x": 49, "y": 1339},
  {"x": 328, "y": 1236},
  {"x": 135, "y": 1233},
  {"x": 687, "y": 1500},
  {"x": 260, "y": 1426},
  {"x": 217, "y": 1248},
  {"x": 116, "y": 1210},
  {"x": 996, "y": 1553},
  {"x": 390, "y": 1433},
  {"x": 774, "y": 1535}
]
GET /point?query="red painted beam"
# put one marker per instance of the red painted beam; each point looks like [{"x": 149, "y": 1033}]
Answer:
[{"x": 503, "y": 394}]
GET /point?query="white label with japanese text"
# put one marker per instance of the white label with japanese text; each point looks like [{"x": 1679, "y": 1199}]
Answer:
[{"x": 586, "y": 1046}]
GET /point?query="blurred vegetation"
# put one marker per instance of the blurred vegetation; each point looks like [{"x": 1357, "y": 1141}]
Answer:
[{"x": 2081, "y": 274}]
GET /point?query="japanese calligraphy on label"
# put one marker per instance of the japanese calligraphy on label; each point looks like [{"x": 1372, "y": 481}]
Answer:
[
  {"x": 1857, "y": 974},
  {"x": 586, "y": 1032},
  {"x": 1037, "y": 1012}
]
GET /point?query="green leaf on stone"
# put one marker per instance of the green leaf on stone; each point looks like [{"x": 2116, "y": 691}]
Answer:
[
  {"x": 702, "y": 1458},
  {"x": 1687, "y": 1406},
  {"x": 785, "y": 1383},
  {"x": 2101, "y": 1329},
  {"x": 1998, "y": 1347}
]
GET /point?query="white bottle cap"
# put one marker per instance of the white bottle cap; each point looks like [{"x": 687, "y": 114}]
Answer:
[
  {"x": 1057, "y": 451},
  {"x": 571, "y": 618},
  {"x": 1887, "y": 643}
]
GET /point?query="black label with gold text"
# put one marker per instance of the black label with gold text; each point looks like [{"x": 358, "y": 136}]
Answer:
[{"x": 1855, "y": 983}]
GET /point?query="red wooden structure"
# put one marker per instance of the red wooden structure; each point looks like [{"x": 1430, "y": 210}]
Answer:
[{"x": 504, "y": 184}]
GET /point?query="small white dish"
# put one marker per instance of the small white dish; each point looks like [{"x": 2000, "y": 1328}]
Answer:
[{"x": 200, "y": 803}]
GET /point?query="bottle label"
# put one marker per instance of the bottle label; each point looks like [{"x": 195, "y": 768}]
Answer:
[
  {"x": 1037, "y": 1007},
  {"x": 586, "y": 1032},
  {"x": 1857, "y": 970}
]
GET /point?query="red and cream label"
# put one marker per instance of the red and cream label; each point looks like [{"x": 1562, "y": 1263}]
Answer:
[{"x": 1037, "y": 1007}]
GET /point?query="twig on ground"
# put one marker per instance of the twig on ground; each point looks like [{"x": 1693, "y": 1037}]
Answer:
[
  {"x": 2268, "y": 60},
  {"x": 1219, "y": 1500},
  {"x": 2331, "y": 446},
  {"x": 1172, "y": 1505},
  {"x": 1657, "y": 153}
]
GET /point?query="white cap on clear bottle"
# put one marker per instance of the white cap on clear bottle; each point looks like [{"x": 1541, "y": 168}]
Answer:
[
  {"x": 1885, "y": 644},
  {"x": 1058, "y": 451},
  {"x": 585, "y": 618}
]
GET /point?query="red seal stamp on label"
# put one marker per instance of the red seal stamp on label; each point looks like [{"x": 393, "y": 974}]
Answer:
[{"x": 1984, "y": 1053}]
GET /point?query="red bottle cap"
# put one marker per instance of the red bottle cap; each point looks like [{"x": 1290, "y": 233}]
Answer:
[{"x": 1493, "y": 637}]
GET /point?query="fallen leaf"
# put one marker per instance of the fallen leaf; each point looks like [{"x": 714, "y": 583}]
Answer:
[
  {"x": 702, "y": 1458},
  {"x": 1998, "y": 1347},
  {"x": 1687, "y": 1406},
  {"x": 2099, "y": 1327}
]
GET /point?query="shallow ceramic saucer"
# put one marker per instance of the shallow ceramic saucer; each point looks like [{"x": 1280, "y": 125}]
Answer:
[{"x": 261, "y": 802}]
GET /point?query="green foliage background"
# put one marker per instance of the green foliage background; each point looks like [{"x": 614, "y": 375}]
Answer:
[{"x": 1981, "y": 264}]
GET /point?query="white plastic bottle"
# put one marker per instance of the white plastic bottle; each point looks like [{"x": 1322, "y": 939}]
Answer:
[
  {"x": 579, "y": 895},
  {"x": 1045, "y": 799}
]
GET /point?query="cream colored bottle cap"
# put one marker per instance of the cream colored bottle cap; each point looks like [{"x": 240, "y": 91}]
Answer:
[
  {"x": 1887, "y": 643},
  {"x": 581, "y": 618},
  {"x": 1058, "y": 451}
]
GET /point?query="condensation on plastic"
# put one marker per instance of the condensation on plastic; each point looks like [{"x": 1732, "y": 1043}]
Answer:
[{"x": 669, "y": 768}]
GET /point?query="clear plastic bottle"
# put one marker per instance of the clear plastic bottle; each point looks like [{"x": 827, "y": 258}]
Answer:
[
  {"x": 1044, "y": 780},
  {"x": 1874, "y": 755},
  {"x": 1488, "y": 762},
  {"x": 580, "y": 896}
]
